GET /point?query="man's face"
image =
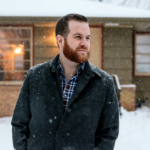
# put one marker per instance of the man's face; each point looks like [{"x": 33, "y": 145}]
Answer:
[{"x": 77, "y": 44}]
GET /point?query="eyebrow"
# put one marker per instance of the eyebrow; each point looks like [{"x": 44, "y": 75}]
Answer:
[{"x": 81, "y": 34}]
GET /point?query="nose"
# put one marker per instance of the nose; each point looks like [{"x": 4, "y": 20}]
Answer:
[{"x": 84, "y": 42}]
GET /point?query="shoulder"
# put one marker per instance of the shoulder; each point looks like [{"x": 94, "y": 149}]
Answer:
[
  {"x": 101, "y": 73},
  {"x": 40, "y": 68}
]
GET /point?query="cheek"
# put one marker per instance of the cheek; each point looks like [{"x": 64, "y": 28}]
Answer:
[
  {"x": 74, "y": 45},
  {"x": 89, "y": 46}
]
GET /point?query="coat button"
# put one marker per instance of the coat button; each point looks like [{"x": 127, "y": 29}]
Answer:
[{"x": 59, "y": 107}]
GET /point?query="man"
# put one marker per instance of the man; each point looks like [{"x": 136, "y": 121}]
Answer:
[{"x": 67, "y": 103}]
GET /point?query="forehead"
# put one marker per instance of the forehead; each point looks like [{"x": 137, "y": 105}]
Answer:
[{"x": 78, "y": 27}]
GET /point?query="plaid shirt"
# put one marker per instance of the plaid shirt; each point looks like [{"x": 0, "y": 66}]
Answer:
[{"x": 68, "y": 87}]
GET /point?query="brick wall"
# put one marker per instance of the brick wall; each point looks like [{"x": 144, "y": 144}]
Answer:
[
  {"x": 8, "y": 97},
  {"x": 128, "y": 97}
]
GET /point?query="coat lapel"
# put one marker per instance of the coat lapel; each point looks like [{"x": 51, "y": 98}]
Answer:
[
  {"x": 83, "y": 81},
  {"x": 54, "y": 79},
  {"x": 89, "y": 72}
]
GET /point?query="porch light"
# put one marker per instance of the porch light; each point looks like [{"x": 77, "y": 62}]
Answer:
[{"x": 17, "y": 50}]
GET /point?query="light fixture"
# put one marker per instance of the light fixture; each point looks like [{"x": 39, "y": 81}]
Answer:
[{"x": 17, "y": 50}]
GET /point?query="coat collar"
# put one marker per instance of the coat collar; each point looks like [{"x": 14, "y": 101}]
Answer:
[
  {"x": 89, "y": 69},
  {"x": 53, "y": 64}
]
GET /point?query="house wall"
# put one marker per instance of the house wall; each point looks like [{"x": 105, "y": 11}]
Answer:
[
  {"x": 8, "y": 97},
  {"x": 117, "y": 49},
  {"x": 118, "y": 53},
  {"x": 142, "y": 83},
  {"x": 45, "y": 46},
  {"x": 142, "y": 88}
]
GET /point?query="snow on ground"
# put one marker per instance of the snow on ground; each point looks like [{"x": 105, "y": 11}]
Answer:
[
  {"x": 5, "y": 134},
  {"x": 134, "y": 131},
  {"x": 52, "y": 8}
]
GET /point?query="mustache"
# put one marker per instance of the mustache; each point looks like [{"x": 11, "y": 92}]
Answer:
[{"x": 82, "y": 47}]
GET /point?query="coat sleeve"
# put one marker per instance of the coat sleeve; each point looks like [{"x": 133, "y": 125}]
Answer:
[
  {"x": 21, "y": 118},
  {"x": 108, "y": 128}
]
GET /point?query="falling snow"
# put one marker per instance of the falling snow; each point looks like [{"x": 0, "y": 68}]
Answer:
[{"x": 50, "y": 120}]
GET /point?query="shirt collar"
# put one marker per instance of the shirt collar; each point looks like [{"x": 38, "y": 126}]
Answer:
[
  {"x": 79, "y": 70},
  {"x": 88, "y": 67}
]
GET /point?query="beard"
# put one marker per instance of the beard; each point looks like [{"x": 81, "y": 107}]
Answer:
[{"x": 74, "y": 54}]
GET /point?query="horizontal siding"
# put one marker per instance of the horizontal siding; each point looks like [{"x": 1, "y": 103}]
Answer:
[
  {"x": 122, "y": 52},
  {"x": 45, "y": 44},
  {"x": 118, "y": 63},
  {"x": 121, "y": 37},
  {"x": 46, "y": 52},
  {"x": 143, "y": 87},
  {"x": 124, "y": 75},
  {"x": 118, "y": 53}
]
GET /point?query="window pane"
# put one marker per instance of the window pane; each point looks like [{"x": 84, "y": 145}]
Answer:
[
  {"x": 19, "y": 62},
  {"x": 14, "y": 33},
  {"x": 7, "y": 65},
  {"x": 143, "y": 49},
  {"x": 15, "y": 49},
  {"x": 12, "y": 44},
  {"x": 12, "y": 76},
  {"x": 142, "y": 39},
  {"x": 143, "y": 58},
  {"x": 27, "y": 55},
  {"x": 26, "y": 65},
  {"x": 16, "y": 65},
  {"x": 26, "y": 44},
  {"x": 143, "y": 68}
]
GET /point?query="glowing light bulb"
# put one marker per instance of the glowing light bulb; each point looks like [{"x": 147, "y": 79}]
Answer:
[{"x": 18, "y": 50}]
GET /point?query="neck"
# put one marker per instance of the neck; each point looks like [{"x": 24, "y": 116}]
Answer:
[{"x": 69, "y": 67}]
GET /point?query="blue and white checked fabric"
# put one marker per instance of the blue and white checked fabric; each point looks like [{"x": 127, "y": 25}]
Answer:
[{"x": 68, "y": 87}]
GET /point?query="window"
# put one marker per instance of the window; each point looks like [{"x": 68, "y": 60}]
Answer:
[
  {"x": 15, "y": 52},
  {"x": 142, "y": 54}
]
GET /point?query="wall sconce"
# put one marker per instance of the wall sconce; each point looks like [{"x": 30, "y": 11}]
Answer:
[{"x": 17, "y": 50}]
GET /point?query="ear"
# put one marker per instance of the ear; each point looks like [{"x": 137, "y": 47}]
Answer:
[{"x": 60, "y": 40}]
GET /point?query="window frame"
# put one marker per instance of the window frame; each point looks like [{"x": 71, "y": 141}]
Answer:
[
  {"x": 135, "y": 73},
  {"x": 31, "y": 60}
]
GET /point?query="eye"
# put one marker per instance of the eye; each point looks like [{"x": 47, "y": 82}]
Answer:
[
  {"x": 88, "y": 38},
  {"x": 78, "y": 37}
]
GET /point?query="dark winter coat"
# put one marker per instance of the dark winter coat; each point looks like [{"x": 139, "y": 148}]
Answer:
[{"x": 90, "y": 121}]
